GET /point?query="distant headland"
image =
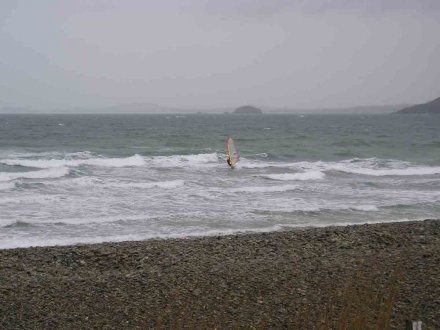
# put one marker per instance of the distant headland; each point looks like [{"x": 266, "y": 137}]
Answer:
[
  {"x": 150, "y": 108},
  {"x": 247, "y": 109},
  {"x": 429, "y": 107}
]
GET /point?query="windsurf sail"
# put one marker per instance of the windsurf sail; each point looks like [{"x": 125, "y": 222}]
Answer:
[{"x": 233, "y": 154}]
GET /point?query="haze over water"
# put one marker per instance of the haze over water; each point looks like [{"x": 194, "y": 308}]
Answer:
[{"x": 91, "y": 178}]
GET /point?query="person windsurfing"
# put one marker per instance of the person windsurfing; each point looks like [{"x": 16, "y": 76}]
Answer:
[
  {"x": 229, "y": 162},
  {"x": 233, "y": 155}
]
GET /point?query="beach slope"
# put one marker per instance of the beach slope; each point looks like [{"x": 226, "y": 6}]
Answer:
[{"x": 314, "y": 278}]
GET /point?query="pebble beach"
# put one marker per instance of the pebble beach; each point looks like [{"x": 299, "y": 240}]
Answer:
[{"x": 372, "y": 276}]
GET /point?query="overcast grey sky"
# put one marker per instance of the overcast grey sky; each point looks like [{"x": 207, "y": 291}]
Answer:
[{"x": 206, "y": 53}]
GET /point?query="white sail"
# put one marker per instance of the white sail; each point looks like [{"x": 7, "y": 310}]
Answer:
[{"x": 233, "y": 153}]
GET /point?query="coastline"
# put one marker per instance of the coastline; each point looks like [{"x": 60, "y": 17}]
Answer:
[{"x": 302, "y": 278}]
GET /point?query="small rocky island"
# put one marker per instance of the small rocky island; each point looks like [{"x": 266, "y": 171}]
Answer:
[
  {"x": 247, "y": 109},
  {"x": 430, "y": 107}
]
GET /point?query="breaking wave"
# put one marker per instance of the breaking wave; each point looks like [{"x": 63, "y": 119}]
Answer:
[
  {"x": 6, "y": 185},
  {"x": 311, "y": 175},
  {"x": 99, "y": 183},
  {"x": 410, "y": 171},
  {"x": 366, "y": 208},
  {"x": 309, "y": 208},
  {"x": 135, "y": 160},
  {"x": 55, "y": 172},
  {"x": 367, "y": 166},
  {"x": 83, "y": 158},
  {"x": 146, "y": 185},
  {"x": 282, "y": 188},
  {"x": 196, "y": 160}
]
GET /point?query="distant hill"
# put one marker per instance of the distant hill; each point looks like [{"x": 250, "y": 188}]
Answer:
[
  {"x": 116, "y": 109},
  {"x": 430, "y": 107},
  {"x": 359, "y": 110},
  {"x": 247, "y": 109},
  {"x": 139, "y": 108}
]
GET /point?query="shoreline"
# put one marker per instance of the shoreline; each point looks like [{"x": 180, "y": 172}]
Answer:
[
  {"x": 312, "y": 277},
  {"x": 231, "y": 233}
]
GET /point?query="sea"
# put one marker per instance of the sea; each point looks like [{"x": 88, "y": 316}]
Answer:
[{"x": 68, "y": 179}]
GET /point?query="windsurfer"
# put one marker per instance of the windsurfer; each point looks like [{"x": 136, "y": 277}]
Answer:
[
  {"x": 232, "y": 153},
  {"x": 229, "y": 162}
]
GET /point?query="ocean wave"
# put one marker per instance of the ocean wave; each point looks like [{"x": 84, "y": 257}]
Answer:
[
  {"x": 17, "y": 224},
  {"x": 146, "y": 185},
  {"x": 135, "y": 160},
  {"x": 22, "y": 154},
  {"x": 265, "y": 189},
  {"x": 247, "y": 163},
  {"x": 349, "y": 223},
  {"x": 352, "y": 143},
  {"x": 311, "y": 175},
  {"x": 379, "y": 167},
  {"x": 89, "y": 182},
  {"x": 367, "y": 166},
  {"x": 6, "y": 185},
  {"x": 366, "y": 208},
  {"x": 77, "y": 159},
  {"x": 259, "y": 155},
  {"x": 421, "y": 170},
  {"x": 96, "y": 220},
  {"x": 184, "y": 160},
  {"x": 307, "y": 208},
  {"x": 55, "y": 172},
  {"x": 20, "y": 242},
  {"x": 83, "y": 181},
  {"x": 31, "y": 199}
]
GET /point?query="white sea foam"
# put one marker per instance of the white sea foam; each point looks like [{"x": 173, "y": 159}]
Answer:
[
  {"x": 348, "y": 223},
  {"x": 37, "y": 163},
  {"x": 30, "y": 199},
  {"x": 246, "y": 163},
  {"x": 311, "y": 175},
  {"x": 368, "y": 166},
  {"x": 257, "y": 164},
  {"x": 114, "y": 183},
  {"x": 265, "y": 189},
  {"x": 196, "y": 160},
  {"x": 146, "y": 185},
  {"x": 419, "y": 170},
  {"x": 17, "y": 242},
  {"x": 7, "y": 185},
  {"x": 55, "y": 172},
  {"x": 4, "y": 222},
  {"x": 83, "y": 182},
  {"x": 372, "y": 167},
  {"x": 366, "y": 208},
  {"x": 18, "y": 154},
  {"x": 135, "y": 160},
  {"x": 96, "y": 204},
  {"x": 259, "y": 155},
  {"x": 302, "y": 206},
  {"x": 96, "y": 219}
]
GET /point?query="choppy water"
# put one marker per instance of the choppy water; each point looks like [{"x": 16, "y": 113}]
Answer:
[{"x": 92, "y": 178}]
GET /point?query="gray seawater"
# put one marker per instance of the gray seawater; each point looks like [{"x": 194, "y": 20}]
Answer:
[{"x": 90, "y": 178}]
